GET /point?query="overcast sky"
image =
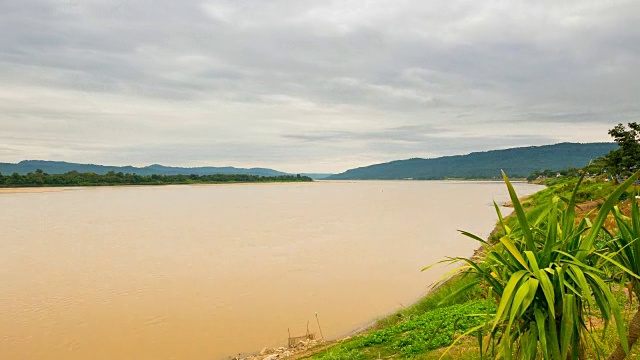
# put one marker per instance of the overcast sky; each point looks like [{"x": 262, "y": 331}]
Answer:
[{"x": 309, "y": 86}]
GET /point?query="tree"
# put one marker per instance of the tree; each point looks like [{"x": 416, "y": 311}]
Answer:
[
  {"x": 15, "y": 178},
  {"x": 627, "y": 157}
]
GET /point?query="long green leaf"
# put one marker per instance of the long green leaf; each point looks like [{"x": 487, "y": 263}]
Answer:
[
  {"x": 507, "y": 295},
  {"x": 529, "y": 350},
  {"x": 620, "y": 266},
  {"x": 459, "y": 291},
  {"x": 545, "y": 283},
  {"x": 581, "y": 281},
  {"x": 504, "y": 226},
  {"x": 539, "y": 316},
  {"x": 514, "y": 251},
  {"x": 615, "y": 309},
  {"x": 522, "y": 299},
  {"x": 522, "y": 218},
  {"x": 587, "y": 243},
  {"x": 553, "y": 338},
  {"x": 569, "y": 216},
  {"x": 552, "y": 232},
  {"x": 472, "y": 236},
  {"x": 635, "y": 216},
  {"x": 566, "y": 325}
]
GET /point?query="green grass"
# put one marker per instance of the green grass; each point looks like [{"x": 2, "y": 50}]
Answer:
[
  {"x": 415, "y": 334},
  {"x": 412, "y": 331},
  {"x": 341, "y": 353},
  {"x": 590, "y": 189},
  {"x": 433, "y": 300}
]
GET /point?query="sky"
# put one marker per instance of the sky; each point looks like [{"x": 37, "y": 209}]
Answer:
[{"x": 309, "y": 86}]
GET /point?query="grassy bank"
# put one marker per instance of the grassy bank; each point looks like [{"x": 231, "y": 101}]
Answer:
[{"x": 426, "y": 329}]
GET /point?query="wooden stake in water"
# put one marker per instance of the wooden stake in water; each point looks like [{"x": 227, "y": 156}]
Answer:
[{"x": 318, "y": 321}]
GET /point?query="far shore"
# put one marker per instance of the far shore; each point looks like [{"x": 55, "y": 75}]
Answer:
[
  {"x": 46, "y": 189},
  {"x": 18, "y": 190}
]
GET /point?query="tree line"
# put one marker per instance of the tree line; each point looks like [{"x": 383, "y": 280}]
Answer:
[
  {"x": 571, "y": 171},
  {"x": 618, "y": 163},
  {"x": 74, "y": 178}
]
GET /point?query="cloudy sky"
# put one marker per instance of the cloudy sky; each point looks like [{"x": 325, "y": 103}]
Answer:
[{"x": 309, "y": 86}]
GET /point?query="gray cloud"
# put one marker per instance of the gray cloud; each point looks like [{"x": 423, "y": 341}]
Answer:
[
  {"x": 409, "y": 133},
  {"x": 308, "y": 86}
]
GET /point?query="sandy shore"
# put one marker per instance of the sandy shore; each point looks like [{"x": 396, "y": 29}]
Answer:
[
  {"x": 36, "y": 189},
  {"x": 31, "y": 190}
]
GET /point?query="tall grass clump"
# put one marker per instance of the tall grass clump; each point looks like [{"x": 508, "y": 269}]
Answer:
[{"x": 544, "y": 277}]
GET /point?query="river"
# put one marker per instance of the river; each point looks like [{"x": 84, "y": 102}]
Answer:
[{"x": 208, "y": 271}]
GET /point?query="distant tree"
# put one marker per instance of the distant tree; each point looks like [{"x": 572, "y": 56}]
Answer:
[
  {"x": 627, "y": 157},
  {"x": 15, "y": 178}
]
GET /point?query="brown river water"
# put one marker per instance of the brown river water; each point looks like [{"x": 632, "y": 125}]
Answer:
[{"x": 210, "y": 271}]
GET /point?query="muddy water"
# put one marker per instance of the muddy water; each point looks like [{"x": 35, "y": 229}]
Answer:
[{"x": 205, "y": 272}]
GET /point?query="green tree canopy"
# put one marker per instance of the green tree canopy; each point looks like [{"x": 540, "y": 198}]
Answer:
[{"x": 627, "y": 157}]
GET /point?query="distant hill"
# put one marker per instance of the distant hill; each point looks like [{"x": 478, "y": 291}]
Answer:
[
  {"x": 61, "y": 167},
  {"x": 516, "y": 162}
]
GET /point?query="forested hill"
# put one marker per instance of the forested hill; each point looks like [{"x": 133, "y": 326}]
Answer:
[
  {"x": 516, "y": 162},
  {"x": 61, "y": 167}
]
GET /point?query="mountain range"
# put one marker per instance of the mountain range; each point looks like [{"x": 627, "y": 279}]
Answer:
[
  {"x": 516, "y": 162},
  {"x": 61, "y": 167}
]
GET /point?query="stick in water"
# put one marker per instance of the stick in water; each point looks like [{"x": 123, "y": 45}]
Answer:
[{"x": 318, "y": 321}]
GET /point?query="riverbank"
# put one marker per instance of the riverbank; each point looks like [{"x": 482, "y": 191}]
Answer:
[
  {"x": 425, "y": 329},
  {"x": 409, "y": 319}
]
